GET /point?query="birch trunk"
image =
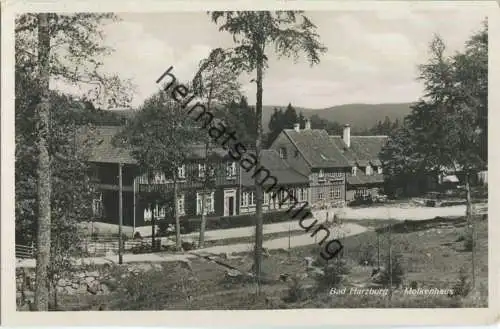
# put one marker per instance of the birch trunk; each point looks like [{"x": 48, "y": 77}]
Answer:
[{"x": 41, "y": 301}]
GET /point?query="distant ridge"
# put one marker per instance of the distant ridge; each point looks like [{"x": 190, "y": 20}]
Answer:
[{"x": 359, "y": 116}]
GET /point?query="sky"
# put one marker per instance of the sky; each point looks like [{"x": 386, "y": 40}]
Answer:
[{"x": 372, "y": 56}]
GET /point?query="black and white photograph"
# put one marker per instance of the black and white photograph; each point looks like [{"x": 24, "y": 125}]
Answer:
[{"x": 276, "y": 157}]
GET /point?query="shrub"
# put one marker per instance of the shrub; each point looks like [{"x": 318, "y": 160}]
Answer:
[
  {"x": 333, "y": 274},
  {"x": 295, "y": 291},
  {"x": 463, "y": 287},
  {"x": 468, "y": 241},
  {"x": 366, "y": 256},
  {"x": 397, "y": 271},
  {"x": 137, "y": 236}
]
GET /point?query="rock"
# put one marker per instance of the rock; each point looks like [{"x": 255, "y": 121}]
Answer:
[
  {"x": 309, "y": 261},
  {"x": 93, "y": 288},
  {"x": 89, "y": 279}
]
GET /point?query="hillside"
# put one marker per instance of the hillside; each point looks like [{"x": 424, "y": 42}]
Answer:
[{"x": 359, "y": 116}]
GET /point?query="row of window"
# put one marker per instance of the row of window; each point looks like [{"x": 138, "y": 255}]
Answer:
[
  {"x": 335, "y": 192},
  {"x": 249, "y": 199},
  {"x": 159, "y": 178},
  {"x": 160, "y": 212}
]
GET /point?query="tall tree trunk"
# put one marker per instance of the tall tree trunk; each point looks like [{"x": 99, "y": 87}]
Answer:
[
  {"x": 178, "y": 241},
  {"x": 203, "y": 220},
  {"x": 206, "y": 178},
  {"x": 470, "y": 221},
  {"x": 153, "y": 226},
  {"x": 258, "y": 188},
  {"x": 43, "y": 167}
]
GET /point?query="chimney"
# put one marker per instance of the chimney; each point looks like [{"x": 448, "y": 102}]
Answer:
[
  {"x": 308, "y": 124},
  {"x": 347, "y": 135},
  {"x": 296, "y": 127}
]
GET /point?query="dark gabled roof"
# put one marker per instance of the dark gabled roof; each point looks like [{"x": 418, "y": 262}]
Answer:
[
  {"x": 364, "y": 150},
  {"x": 102, "y": 149},
  {"x": 281, "y": 170},
  {"x": 362, "y": 179},
  {"x": 317, "y": 148}
]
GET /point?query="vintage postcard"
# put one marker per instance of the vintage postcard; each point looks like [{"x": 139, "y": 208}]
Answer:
[{"x": 250, "y": 163}]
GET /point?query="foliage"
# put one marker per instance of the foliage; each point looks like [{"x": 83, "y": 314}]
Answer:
[
  {"x": 160, "y": 141},
  {"x": 463, "y": 285},
  {"x": 334, "y": 272},
  {"x": 447, "y": 128},
  {"x": 468, "y": 241},
  {"x": 241, "y": 118},
  {"x": 397, "y": 271},
  {"x": 76, "y": 54},
  {"x": 291, "y": 34}
]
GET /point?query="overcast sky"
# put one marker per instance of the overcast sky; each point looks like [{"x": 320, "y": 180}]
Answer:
[{"x": 372, "y": 56}]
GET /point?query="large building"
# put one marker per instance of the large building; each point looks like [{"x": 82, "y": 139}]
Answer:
[
  {"x": 229, "y": 190},
  {"x": 339, "y": 168}
]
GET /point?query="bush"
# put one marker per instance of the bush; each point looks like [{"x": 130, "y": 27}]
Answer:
[
  {"x": 221, "y": 223},
  {"x": 333, "y": 274},
  {"x": 366, "y": 256},
  {"x": 468, "y": 241},
  {"x": 163, "y": 228},
  {"x": 463, "y": 287},
  {"x": 397, "y": 271},
  {"x": 295, "y": 291}
]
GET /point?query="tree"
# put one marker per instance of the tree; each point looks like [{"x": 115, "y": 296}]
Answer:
[
  {"x": 289, "y": 33},
  {"x": 65, "y": 48},
  {"x": 446, "y": 129},
  {"x": 217, "y": 85},
  {"x": 160, "y": 143},
  {"x": 282, "y": 120}
]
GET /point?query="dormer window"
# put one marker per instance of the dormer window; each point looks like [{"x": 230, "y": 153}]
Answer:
[
  {"x": 354, "y": 170},
  {"x": 369, "y": 170},
  {"x": 321, "y": 175},
  {"x": 181, "y": 171},
  {"x": 282, "y": 153}
]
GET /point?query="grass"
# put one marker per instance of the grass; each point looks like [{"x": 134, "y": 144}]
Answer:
[{"x": 431, "y": 255}]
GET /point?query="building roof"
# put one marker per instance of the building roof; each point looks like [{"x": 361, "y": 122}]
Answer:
[
  {"x": 280, "y": 169},
  {"x": 317, "y": 148},
  {"x": 102, "y": 149},
  {"x": 363, "y": 150}
]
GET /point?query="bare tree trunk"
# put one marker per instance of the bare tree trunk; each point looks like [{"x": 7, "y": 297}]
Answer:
[
  {"x": 470, "y": 221},
  {"x": 203, "y": 224},
  {"x": 120, "y": 214},
  {"x": 178, "y": 241},
  {"x": 43, "y": 168},
  {"x": 258, "y": 188},
  {"x": 153, "y": 226}
]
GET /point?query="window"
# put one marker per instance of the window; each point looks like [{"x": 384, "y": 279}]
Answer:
[
  {"x": 354, "y": 170},
  {"x": 266, "y": 198},
  {"x": 303, "y": 194},
  {"x": 321, "y": 174},
  {"x": 380, "y": 170},
  {"x": 231, "y": 169},
  {"x": 159, "y": 178},
  {"x": 337, "y": 174},
  {"x": 97, "y": 205},
  {"x": 201, "y": 170},
  {"x": 181, "y": 171},
  {"x": 209, "y": 203},
  {"x": 181, "y": 205},
  {"x": 369, "y": 170},
  {"x": 320, "y": 195},
  {"x": 248, "y": 199},
  {"x": 283, "y": 153},
  {"x": 334, "y": 192}
]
